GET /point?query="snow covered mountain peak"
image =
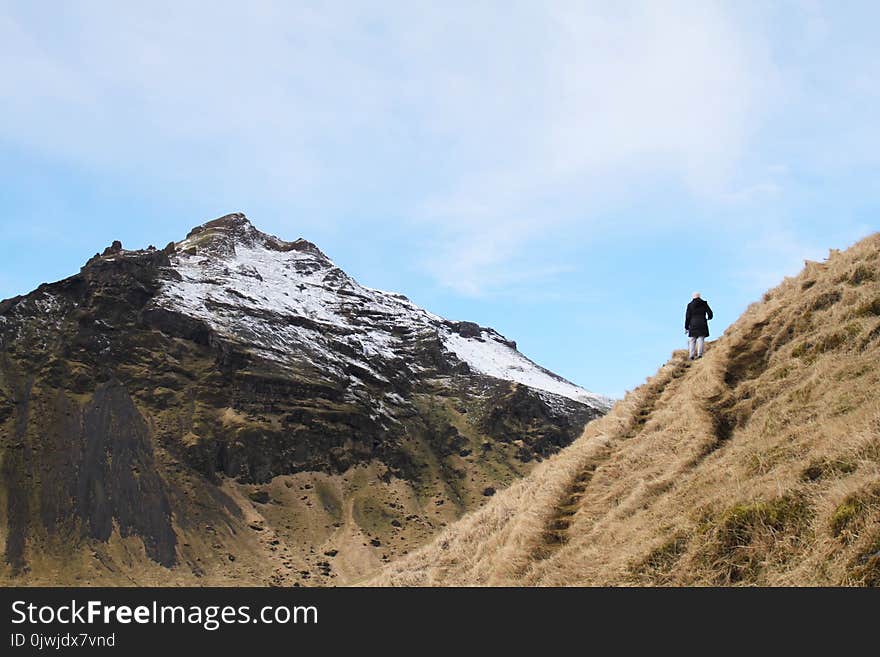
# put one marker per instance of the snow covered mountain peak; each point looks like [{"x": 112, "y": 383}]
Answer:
[
  {"x": 262, "y": 406},
  {"x": 287, "y": 304}
]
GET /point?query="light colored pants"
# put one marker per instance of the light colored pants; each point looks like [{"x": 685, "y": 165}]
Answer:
[{"x": 695, "y": 347}]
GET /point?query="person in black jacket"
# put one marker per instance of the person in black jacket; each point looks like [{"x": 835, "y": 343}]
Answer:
[{"x": 696, "y": 325}]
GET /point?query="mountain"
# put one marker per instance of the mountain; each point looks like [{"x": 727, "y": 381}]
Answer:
[
  {"x": 235, "y": 409},
  {"x": 757, "y": 465}
]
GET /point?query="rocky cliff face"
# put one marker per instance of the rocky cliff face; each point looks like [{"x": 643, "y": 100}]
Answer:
[{"x": 234, "y": 408}]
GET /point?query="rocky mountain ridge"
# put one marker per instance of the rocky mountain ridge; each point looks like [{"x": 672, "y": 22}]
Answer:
[{"x": 233, "y": 406}]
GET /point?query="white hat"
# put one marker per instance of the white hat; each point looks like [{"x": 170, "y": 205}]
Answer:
[{"x": 696, "y": 295}]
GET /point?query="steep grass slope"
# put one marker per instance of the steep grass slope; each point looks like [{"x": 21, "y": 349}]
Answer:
[{"x": 758, "y": 465}]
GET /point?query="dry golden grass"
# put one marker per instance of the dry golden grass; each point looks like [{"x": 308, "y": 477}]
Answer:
[{"x": 758, "y": 465}]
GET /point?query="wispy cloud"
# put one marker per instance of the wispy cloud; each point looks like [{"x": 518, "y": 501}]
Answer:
[
  {"x": 497, "y": 129},
  {"x": 619, "y": 95}
]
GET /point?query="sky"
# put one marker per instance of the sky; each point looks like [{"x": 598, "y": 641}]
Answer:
[{"x": 565, "y": 172}]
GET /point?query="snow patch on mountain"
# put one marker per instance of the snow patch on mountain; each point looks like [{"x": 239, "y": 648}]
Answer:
[{"x": 494, "y": 358}]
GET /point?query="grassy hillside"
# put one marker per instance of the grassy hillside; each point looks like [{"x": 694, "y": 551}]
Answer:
[{"x": 759, "y": 465}]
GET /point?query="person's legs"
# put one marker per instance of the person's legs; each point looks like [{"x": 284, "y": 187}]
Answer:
[
  {"x": 700, "y": 342},
  {"x": 691, "y": 344}
]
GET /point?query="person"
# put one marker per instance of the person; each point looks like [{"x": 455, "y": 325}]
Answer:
[{"x": 696, "y": 325}]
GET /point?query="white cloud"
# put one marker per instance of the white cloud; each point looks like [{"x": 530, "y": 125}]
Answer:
[
  {"x": 618, "y": 96},
  {"x": 498, "y": 128}
]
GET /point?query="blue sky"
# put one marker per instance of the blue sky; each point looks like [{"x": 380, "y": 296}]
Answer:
[{"x": 567, "y": 173}]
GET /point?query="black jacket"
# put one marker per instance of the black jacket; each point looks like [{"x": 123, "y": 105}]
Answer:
[{"x": 696, "y": 319}]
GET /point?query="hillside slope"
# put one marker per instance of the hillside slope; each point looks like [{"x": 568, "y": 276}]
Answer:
[
  {"x": 759, "y": 465},
  {"x": 236, "y": 409}
]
